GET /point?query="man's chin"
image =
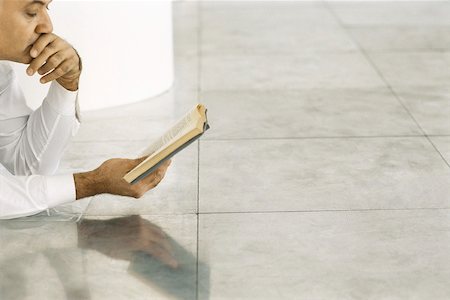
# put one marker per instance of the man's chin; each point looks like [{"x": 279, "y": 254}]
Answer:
[{"x": 24, "y": 59}]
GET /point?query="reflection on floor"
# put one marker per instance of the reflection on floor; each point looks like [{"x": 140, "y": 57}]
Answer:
[{"x": 325, "y": 174}]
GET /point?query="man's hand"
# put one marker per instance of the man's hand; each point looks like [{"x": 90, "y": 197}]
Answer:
[
  {"x": 121, "y": 238},
  {"x": 57, "y": 59},
  {"x": 108, "y": 178}
]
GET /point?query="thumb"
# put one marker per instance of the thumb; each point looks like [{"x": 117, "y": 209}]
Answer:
[{"x": 140, "y": 159}]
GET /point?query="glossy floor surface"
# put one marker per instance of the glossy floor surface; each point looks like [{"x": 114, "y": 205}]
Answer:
[{"x": 325, "y": 174}]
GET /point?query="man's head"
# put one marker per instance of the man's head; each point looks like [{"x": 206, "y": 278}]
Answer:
[{"x": 21, "y": 24}]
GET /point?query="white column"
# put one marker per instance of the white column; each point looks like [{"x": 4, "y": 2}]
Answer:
[{"x": 126, "y": 47}]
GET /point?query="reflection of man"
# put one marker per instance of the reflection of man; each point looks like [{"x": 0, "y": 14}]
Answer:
[
  {"x": 32, "y": 142},
  {"x": 42, "y": 261}
]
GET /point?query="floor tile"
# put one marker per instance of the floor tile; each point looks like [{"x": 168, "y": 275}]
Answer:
[
  {"x": 270, "y": 28},
  {"x": 89, "y": 155},
  {"x": 393, "y": 13},
  {"x": 228, "y": 40},
  {"x": 186, "y": 72},
  {"x": 131, "y": 128},
  {"x": 40, "y": 260},
  {"x": 398, "y": 38},
  {"x": 413, "y": 68},
  {"x": 442, "y": 143},
  {"x": 306, "y": 113},
  {"x": 176, "y": 193},
  {"x": 327, "y": 255},
  {"x": 70, "y": 212},
  {"x": 268, "y": 12},
  {"x": 185, "y": 20},
  {"x": 170, "y": 104},
  {"x": 429, "y": 106},
  {"x": 146, "y": 120},
  {"x": 300, "y": 71},
  {"x": 322, "y": 174}
]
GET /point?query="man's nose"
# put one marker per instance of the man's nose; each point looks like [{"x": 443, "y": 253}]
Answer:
[{"x": 45, "y": 25}]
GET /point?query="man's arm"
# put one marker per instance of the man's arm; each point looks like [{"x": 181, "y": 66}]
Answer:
[
  {"x": 27, "y": 195},
  {"x": 108, "y": 178},
  {"x": 33, "y": 142}
]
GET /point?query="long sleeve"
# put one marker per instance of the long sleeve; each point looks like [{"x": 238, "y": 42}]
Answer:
[
  {"x": 33, "y": 142},
  {"x": 31, "y": 146},
  {"x": 28, "y": 195}
]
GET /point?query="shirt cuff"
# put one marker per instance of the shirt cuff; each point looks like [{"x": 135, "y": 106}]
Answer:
[
  {"x": 60, "y": 190},
  {"x": 62, "y": 100}
]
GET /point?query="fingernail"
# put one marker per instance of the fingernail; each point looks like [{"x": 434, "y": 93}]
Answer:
[
  {"x": 33, "y": 53},
  {"x": 30, "y": 71}
]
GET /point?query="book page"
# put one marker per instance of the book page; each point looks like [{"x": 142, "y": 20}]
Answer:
[{"x": 172, "y": 134}]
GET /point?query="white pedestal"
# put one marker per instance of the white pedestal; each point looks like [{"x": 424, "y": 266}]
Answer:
[{"x": 126, "y": 48}]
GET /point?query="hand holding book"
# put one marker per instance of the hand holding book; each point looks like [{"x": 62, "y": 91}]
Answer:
[{"x": 178, "y": 137}]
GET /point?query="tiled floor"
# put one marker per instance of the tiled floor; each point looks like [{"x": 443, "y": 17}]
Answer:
[{"x": 325, "y": 175}]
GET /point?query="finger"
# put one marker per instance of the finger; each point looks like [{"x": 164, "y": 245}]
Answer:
[
  {"x": 154, "y": 178},
  {"x": 61, "y": 70},
  {"x": 41, "y": 43},
  {"x": 167, "y": 164},
  {"x": 160, "y": 254},
  {"x": 54, "y": 61},
  {"x": 164, "y": 166},
  {"x": 157, "y": 236},
  {"x": 140, "y": 159},
  {"x": 42, "y": 58},
  {"x": 159, "y": 175}
]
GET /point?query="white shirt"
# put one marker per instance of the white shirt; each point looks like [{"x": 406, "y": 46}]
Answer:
[{"x": 31, "y": 146}]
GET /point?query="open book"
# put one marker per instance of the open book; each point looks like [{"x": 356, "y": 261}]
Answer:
[{"x": 182, "y": 134}]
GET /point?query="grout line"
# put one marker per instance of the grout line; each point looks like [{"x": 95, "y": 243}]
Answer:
[
  {"x": 85, "y": 212},
  {"x": 312, "y": 137},
  {"x": 199, "y": 88},
  {"x": 435, "y": 148},
  {"x": 325, "y": 52},
  {"x": 198, "y": 216},
  {"x": 274, "y": 138},
  {"x": 240, "y": 212},
  {"x": 325, "y": 210},
  {"x": 375, "y": 68},
  {"x": 399, "y": 100},
  {"x": 282, "y": 138}
]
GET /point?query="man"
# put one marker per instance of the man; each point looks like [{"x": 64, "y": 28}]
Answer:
[{"x": 32, "y": 142}]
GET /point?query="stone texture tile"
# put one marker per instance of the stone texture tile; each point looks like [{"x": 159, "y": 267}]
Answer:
[
  {"x": 131, "y": 255},
  {"x": 322, "y": 174},
  {"x": 145, "y": 120},
  {"x": 402, "y": 38},
  {"x": 429, "y": 106},
  {"x": 176, "y": 193},
  {"x": 186, "y": 72},
  {"x": 327, "y": 255},
  {"x": 442, "y": 143},
  {"x": 393, "y": 13},
  {"x": 281, "y": 72},
  {"x": 306, "y": 113},
  {"x": 271, "y": 12},
  {"x": 268, "y": 28},
  {"x": 185, "y": 19},
  {"x": 171, "y": 104},
  {"x": 413, "y": 68}
]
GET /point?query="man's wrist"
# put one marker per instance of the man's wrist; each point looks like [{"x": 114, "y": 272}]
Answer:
[
  {"x": 72, "y": 86},
  {"x": 88, "y": 184}
]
